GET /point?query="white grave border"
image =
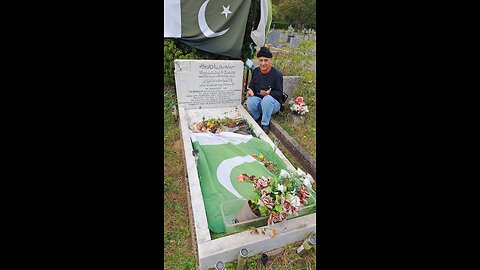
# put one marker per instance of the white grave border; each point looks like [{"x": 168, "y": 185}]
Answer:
[{"x": 227, "y": 248}]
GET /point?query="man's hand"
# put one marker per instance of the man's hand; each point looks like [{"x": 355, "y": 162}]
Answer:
[
  {"x": 265, "y": 92},
  {"x": 250, "y": 92}
]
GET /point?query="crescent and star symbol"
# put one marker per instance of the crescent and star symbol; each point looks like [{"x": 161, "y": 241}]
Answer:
[{"x": 202, "y": 22}]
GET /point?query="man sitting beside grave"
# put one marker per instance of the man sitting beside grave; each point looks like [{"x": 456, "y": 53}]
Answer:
[{"x": 265, "y": 90}]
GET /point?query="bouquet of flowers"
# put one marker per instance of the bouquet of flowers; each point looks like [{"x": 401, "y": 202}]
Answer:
[
  {"x": 298, "y": 106},
  {"x": 278, "y": 196}
]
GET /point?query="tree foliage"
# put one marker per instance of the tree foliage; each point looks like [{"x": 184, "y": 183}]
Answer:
[{"x": 298, "y": 13}]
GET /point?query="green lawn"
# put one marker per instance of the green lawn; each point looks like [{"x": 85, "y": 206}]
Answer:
[
  {"x": 306, "y": 133},
  {"x": 177, "y": 234}
]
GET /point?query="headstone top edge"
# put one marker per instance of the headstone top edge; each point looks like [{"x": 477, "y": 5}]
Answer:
[{"x": 206, "y": 60}]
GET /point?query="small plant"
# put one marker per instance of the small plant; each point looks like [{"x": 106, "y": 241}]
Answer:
[
  {"x": 271, "y": 166},
  {"x": 217, "y": 125},
  {"x": 298, "y": 106}
]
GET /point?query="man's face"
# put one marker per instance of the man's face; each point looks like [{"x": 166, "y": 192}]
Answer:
[{"x": 264, "y": 63}]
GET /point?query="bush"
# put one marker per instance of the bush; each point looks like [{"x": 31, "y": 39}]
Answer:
[{"x": 172, "y": 50}]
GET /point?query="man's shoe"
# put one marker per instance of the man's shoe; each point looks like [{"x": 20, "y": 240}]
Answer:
[
  {"x": 259, "y": 119},
  {"x": 266, "y": 128}
]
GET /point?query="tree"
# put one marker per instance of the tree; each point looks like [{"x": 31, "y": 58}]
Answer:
[{"x": 297, "y": 12}]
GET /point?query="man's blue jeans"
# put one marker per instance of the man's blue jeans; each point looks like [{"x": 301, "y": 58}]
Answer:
[{"x": 266, "y": 105}]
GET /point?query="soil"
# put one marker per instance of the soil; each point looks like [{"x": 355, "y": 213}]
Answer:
[{"x": 177, "y": 146}]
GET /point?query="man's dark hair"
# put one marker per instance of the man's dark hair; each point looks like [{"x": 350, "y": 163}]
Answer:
[{"x": 265, "y": 52}]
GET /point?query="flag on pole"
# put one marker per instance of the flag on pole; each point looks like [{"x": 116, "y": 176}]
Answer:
[
  {"x": 216, "y": 26},
  {"x": 259, "y": 36},
  {"x": 221, "y": 159}
]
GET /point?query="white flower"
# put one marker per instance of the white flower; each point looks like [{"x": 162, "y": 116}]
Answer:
[
  {"x": 281, "y": 188},
  {"x": 308, "y": 180},
  {"x": 284, "y": 174},
  {"x": 295, "y": 201},
  {"x": 300, "y": 172}
]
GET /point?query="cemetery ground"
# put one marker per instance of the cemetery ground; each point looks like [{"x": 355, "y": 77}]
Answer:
[
  {"x": 178, "y": 247},
  {"x": 294, "y": 62}
]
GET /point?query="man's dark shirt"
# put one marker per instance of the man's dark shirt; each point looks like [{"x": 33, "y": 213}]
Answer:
[{"x": 273, "y": 79}]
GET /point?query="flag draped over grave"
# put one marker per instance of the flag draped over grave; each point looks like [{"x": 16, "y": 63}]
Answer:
[
  {"x": 216, "y": 26},
  {"x": 221, "y": 159}
]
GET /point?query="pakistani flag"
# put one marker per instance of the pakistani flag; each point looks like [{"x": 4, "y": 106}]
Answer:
[
  {"x": 216, "y": 26},
  {"x": 221, "y": 159},
  {"x": 259, "y": 36}
]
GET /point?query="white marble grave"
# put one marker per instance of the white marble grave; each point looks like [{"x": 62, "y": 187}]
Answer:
[{"x": 212, "y": 88}]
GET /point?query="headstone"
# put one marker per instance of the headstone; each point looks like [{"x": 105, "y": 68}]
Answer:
[
  {"x": 273, "y": 38},
  {"x": 283, "y": 39},
  {"x": 208, "y": 83},
  {"x": 295, "y": 41},
  {"x": 289, "y": 84}
]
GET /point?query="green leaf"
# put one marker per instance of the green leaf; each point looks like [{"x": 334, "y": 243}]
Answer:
[
  {"x": 268, "y": 189},
  {"x": 263, "y": 209},
  {"x": 278, "y": 208},
  {"x": 278, "y": 199}
]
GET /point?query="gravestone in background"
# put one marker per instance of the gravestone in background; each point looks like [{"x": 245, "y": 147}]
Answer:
[
  {"x": 284, "y": 36},
  {"x": 295, "y": 41},
  {"x": 283, "y": 39},
  {"x": 273, "y": 38},
  {"x": 289, "y": 84}
]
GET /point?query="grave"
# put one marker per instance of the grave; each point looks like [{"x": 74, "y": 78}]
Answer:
[
  {"x": 295, "y": 41},
  {"x": 283, "y": 38},
  {"x": 213, "y": 88},
  {"x": 289, "y": 84},
  {"x": 273, "y": 38}
]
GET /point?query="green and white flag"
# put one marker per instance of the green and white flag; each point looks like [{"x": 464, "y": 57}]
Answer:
[
  {"x": 259, "y": 36},
  {"x": 216, "y": 26},
  {"x": 221, "y": 159}
]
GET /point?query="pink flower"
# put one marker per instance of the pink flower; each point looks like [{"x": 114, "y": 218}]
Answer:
[
  {"x": 263, "y": 182},
  {"x": 287, "y": 207},
  {"x": 266, "y": 200},
  {"x": 275, "y": 217},
  {"x": 304, "y": 195},
  {"x": 257, "y": 185},
  {"x": 299, "y": 100},
  {"x": 242, "y": 177}
]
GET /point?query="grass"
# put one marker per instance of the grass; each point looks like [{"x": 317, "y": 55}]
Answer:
[
  {"x": 176, "y": 234},
  {"x": 287, "y": 259},
  {"x": 304, "y": 134}
]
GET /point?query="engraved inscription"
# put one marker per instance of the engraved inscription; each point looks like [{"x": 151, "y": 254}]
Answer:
[{"x": 212, "y": 83}]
